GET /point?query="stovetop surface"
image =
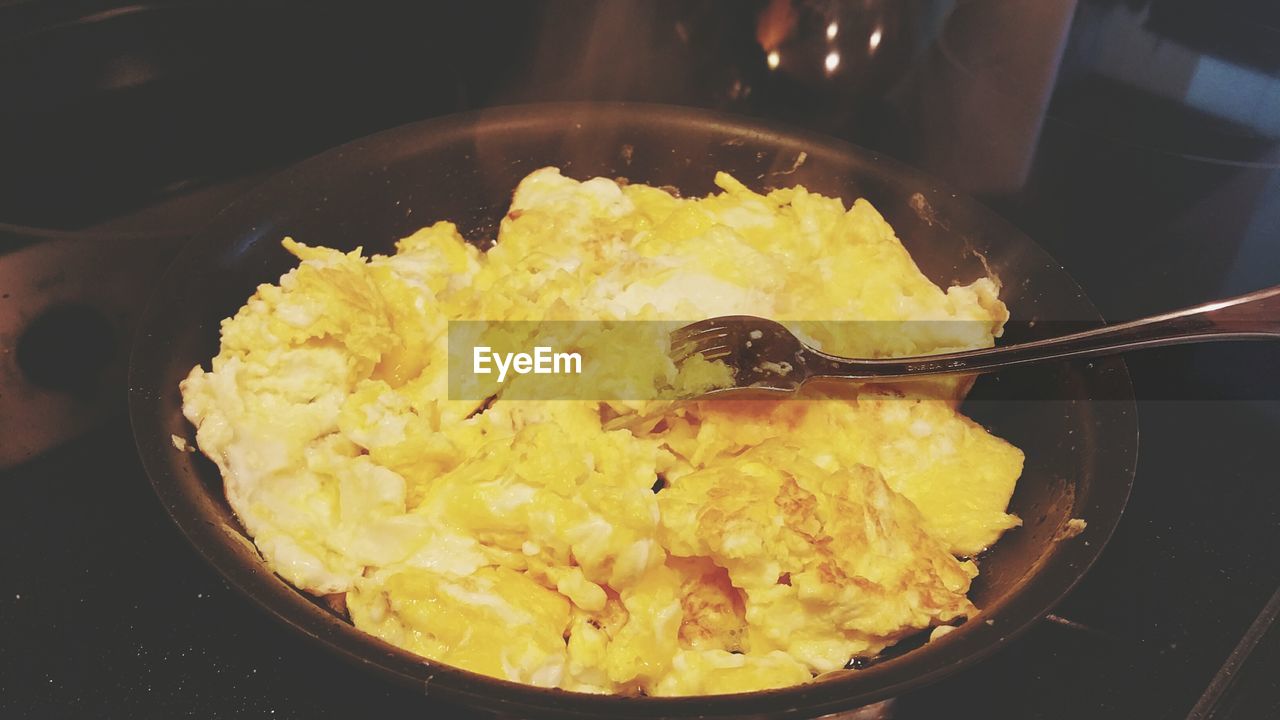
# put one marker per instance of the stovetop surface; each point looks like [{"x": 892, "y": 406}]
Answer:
[{"x": 1136, "y": 141}]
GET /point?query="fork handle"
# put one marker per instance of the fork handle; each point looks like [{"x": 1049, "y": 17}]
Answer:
[{"x": 1255, "y": 316}]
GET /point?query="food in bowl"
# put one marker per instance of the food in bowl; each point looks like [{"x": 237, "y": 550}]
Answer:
[{"x": 612, "y": 546}]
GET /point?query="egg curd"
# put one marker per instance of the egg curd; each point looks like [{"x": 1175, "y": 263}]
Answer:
[{"x": 611, "y": 547}]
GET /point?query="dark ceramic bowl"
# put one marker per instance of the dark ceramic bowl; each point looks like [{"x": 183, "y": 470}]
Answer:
[{"x": 1075, "y": 422}]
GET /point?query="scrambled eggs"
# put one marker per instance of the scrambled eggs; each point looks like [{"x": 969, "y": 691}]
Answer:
[{"x": 611, "y": 547}]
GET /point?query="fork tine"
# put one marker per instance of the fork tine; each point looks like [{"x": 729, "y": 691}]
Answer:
[
  {"x": 680, "y": 353},
  {"x": 718, "y": 343},
  {"x": 715, "y": 352},
  {"x": 705, "y": 339},
  {"x": 697, "y": 337},
  {"x": 698, "y": 330}
]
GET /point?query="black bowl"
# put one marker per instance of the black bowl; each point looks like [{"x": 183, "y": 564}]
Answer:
[{"x": 1079, "y": 432}]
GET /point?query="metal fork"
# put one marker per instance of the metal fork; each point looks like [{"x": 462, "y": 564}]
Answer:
[{"x": 765, "y": 356}]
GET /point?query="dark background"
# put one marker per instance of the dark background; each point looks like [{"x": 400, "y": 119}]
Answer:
[{"x": 1136, "y": 141}]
